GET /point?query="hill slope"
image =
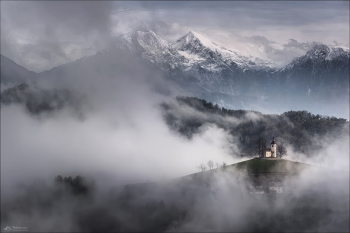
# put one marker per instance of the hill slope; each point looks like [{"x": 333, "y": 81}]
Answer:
[
  {"x": 256, "y": 166},
  {"x": 261, "y": 165}
]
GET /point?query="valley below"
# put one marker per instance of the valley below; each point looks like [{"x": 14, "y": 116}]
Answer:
[{"x": 245, "y": 196}]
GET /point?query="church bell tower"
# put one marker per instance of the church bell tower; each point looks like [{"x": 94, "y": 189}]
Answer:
[{"x": 273, "y": 148}]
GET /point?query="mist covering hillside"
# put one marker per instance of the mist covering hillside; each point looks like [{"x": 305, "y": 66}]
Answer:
[
  {"x": 314, "y": 200},
  {"x": 127, "y": 126},
  {"x": 183, "y": 132},
  {"x": 305, "y": 132}
]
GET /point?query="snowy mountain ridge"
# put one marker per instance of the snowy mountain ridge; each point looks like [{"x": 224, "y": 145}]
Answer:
[
  {"x": 202, "y": 58},
  {"x": 151, "y": 47},
  {"x": 197, "y": 48},
  {"x": 321, "y": 55},
  {"x": 188, "y": 52},
  {"x": 200, "y": 67},
  {"x": 194, "y": 56}
]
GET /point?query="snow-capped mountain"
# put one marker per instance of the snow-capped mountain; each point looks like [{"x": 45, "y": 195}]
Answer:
[
  {"x": 230, "y": 77},
  {"x": 223, "y": 75},
  {"x": 195, "y": 57},
  {"x": 322, "y": 71},
  {"x": 151, "y": 47},
  {"x": 199, "y": 50},
  {"x": 189, "y": 51},
  {"x": 321, "y": 55}
]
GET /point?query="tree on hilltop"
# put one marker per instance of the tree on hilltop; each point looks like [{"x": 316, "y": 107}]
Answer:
[
  {"x": 281, "y": 150},
  {"x": 217, "y": 165},
  {"x": 202, "y": 167},
  {"x": 260, "y": 146},
  {"x": 210, "y": 164},
  {"x": 223, "y": 165}
]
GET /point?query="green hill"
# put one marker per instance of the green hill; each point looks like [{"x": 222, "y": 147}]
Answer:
[
  {"x": 257, "y": 166},
  {"x": 259, "y": 171},
  {"x": 263, "y": 165}
]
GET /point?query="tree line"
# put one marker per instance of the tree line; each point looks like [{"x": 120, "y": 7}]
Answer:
[
  {"x": 202, "y": 167},
  {"x": 301, "y": 130}
]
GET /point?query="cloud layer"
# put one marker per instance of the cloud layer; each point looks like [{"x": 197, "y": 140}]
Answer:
[{"x": 41, "y": 35}]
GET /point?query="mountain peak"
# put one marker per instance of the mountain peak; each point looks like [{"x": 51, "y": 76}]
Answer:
[
  {"x": 319, "y": 51},
  {"x": 322, "y": 52},
  {"x": 194, "y": 38},
  {"x": 139, "y": 35},
  {"x": 143, "y": 41}
]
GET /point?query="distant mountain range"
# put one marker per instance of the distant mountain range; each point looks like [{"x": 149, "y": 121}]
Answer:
[
  {"x": 322, "y": 71},
  {"x": 11, "y": 72},
  {"x": 231, "y": 78},
  {"x": 234, "y": 72}
]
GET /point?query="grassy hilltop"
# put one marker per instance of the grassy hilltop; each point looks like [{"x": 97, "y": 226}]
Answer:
[
  {"x": 217, "y": 193},
  {"x": 257, "y": 170},
  {"x": 261, "y": 165}
]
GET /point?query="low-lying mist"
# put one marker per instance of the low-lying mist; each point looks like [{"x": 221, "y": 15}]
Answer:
[
  {"x": 303, "y": 132},
  {"x": 217, "y": 200},
  {"x": 122, "y": 136}
]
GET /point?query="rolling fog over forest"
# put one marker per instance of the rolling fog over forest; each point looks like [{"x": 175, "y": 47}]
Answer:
[{"x": 109, "y": 109}]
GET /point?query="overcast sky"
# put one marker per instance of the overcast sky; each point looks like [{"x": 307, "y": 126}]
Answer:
[{"x": 41, "y": 35}]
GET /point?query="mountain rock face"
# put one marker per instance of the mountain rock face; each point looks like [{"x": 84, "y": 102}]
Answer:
[
  {"x": 218, "y": 69},
  {"x": 224, "y": 76},
  {"x": 323, "y": 72},
  {"x": 194, "y": 58},
  {"x": 152, "y": 48},
  {"x": 201, "y": 51},
  {"x": 231, "y": 78},
  {"x": 203, "y": 67}
]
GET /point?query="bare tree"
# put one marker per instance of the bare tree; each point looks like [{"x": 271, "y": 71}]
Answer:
[
  {"x": 210, "y": 164},
  {"x": 223, "y": 165},
  {"x": 202, "y": 167},
  {"x": 281, "y": 150},
  {"x": 260, "y": 147}
]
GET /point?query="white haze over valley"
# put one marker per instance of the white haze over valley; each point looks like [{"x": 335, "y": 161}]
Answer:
[
  {"x": 122, "y": 138},
  {"x": 122, "y": 135}
]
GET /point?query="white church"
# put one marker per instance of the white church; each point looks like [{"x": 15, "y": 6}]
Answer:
[{"x": 271, "y": 153}]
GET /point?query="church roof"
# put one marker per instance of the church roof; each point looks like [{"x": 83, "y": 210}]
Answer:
[
  {"x": 267, "y": 149},
  {"x": 273, "y": 141}
]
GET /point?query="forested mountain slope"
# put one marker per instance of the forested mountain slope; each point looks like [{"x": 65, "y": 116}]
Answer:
[{"x": 304, "y": 131}]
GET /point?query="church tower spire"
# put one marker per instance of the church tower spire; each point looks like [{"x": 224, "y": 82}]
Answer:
[{"x": 273, "y": 148}]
